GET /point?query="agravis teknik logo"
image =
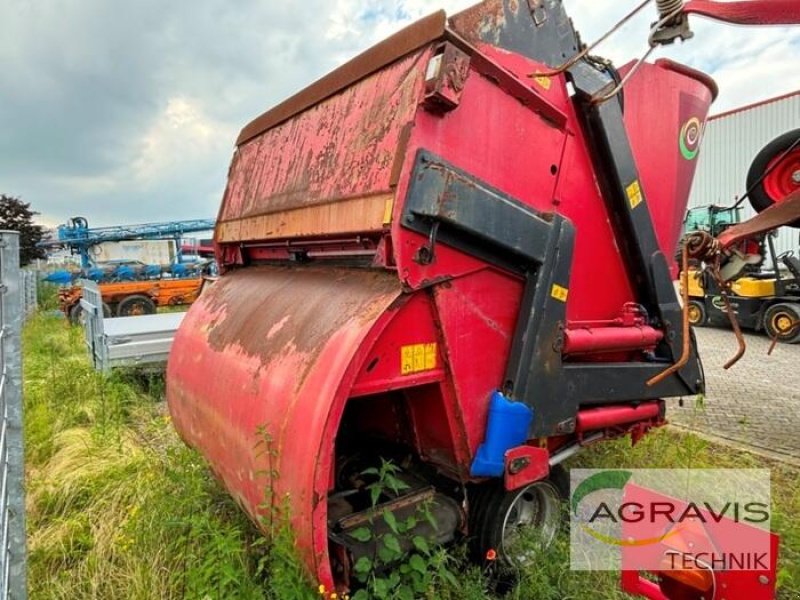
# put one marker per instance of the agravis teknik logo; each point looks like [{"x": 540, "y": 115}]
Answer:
[{"x": 646, "y": 517}]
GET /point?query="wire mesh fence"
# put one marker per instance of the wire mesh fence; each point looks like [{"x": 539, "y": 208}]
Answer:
[{"x": 16, "y": 302}]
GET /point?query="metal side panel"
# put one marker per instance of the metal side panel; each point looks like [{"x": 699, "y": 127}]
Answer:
[
  {"x": 140, "y": 340},
  {"x": 258, "y": 377},
  {"x": 142, "y": 327}
]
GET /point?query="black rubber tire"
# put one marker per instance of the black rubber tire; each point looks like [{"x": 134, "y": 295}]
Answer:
[
  {"x": 791, "y": 311},
  {"x": 702, "y": 319},
  {"x": 759, "y": 198},
  {"x": 136, "y": 305},
  {"x": 488, "y": 505},
  {"x": 76, "y": 313}
]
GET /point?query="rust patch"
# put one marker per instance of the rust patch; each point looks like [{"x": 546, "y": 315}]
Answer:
[
  {"x": 482, "y": 22},
  {"x": 269, "y": 311},
  {"x": 342, "y": 148},
  {"x": 409, "y": 39}
]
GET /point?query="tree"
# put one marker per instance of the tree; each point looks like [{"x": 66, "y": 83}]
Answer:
[{"x": 16, "y": 215}]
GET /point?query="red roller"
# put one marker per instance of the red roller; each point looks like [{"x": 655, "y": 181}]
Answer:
[
  {"x": 593, "y": 340},
  {"x": 593, "y": 419}
]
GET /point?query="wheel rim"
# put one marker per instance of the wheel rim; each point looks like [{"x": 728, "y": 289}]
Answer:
[
  {"x": 784, "y": 176},
  {"x": 782, "y": 323},
  {"x": 531, "y": 522},
  {"x": 694, "y": 314}
]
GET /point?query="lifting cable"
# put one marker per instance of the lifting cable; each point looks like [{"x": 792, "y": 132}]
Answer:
[
  {"x": 587, "y": 49},
  {"x": 677, "y": 9}
]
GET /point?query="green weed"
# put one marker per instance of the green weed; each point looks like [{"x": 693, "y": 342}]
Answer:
[{"x": 119, "y": 508}]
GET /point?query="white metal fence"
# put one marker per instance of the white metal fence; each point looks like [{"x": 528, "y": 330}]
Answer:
[{"x": 14, "y": 303}]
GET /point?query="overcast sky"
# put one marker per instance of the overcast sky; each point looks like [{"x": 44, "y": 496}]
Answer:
[{"x": 127, "y": 112}]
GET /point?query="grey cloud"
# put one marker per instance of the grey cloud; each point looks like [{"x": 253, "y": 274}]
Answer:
[
  {"x": 83, "y": 80},
  {"x": 85, "y": 86}
]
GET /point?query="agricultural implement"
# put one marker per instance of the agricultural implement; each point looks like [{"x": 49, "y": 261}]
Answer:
[
  {"x": 763, "y": 297},
  {"x": 85, "y": 241},
  {"x": 449, "y": 253},
  {"x": 133, "y": 298}
]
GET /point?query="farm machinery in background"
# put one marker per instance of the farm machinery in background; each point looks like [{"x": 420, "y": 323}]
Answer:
[
  {"x": 84, "y": 240},
  {"x": 452, "y": 254},
  {"x": 129, "y": 285},
  {"x": 762, "y": 295}
]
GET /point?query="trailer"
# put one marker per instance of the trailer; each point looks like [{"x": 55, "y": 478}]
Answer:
[
  {"x": 131, "y": 298},
  {"x": 143, "y": 341}
]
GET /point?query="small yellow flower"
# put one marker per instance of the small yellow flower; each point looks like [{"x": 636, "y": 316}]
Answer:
[
  {"x": 334, "y": 596},
  {"x": 321, "y": 589}
]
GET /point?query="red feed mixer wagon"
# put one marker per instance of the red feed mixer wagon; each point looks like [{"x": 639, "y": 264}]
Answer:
[{"x": 447, "y": 255}]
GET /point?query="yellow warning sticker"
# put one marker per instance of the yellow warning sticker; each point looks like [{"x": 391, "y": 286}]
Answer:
[
  {"x": 387, "y": 210},
  {"x": 417, "y": 358},
  {"x": 634, "y": 192},
  {"x": 559, "y": 293},
  {"x": 543, "y": 81}
]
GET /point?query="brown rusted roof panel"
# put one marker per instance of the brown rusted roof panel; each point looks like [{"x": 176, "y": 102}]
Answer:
[{"x": 409, "y": 39}]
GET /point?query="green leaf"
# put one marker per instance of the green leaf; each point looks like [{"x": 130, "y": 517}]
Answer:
[
  {"x": 416, "y": 563},
  {"x": 394, "y": 579},
  {"x": 429, "y": 517},
  {"x": 370, "y": 471},
  {"x": 374, "y": 494},
  {"x": 380, "y": 588},
  {"x": 395, "y": 484},
  {"x": 421, "y": 544},
  {"x": 405, "y": 593},
  {"x": 409, "y": 524},
  {"x": 390, "y": 542},
  {"x": 362, "y": 534},
  {"x": 449, "y": 577},
  {"x": 363, "y": 565},
  {"x": 391, "y": 520},
  {"x": 360, "y": 595},
  {"x": 418, "y": 580},
  {"x": 389, "y": 467},
  {"x": 386, "y": 555}
]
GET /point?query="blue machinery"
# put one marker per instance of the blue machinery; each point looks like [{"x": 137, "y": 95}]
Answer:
[{"x": 79, "y": 237}]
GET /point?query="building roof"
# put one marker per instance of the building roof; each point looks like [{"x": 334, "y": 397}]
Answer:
[{"x": 754, "y": 105}]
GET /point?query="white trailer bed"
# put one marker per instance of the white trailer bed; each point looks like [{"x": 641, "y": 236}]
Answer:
[{"x": 126, "y": 341}]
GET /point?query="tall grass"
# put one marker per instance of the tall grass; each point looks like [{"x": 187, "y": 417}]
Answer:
[{"x": 119, "y": 508}]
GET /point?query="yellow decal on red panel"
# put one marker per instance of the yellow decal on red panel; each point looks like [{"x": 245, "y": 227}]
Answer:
[
  {"x": 543, "y": 80},
  {"x": 417, "y": 358},
  {"x": 634, "y": 192}
]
